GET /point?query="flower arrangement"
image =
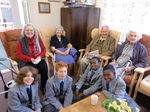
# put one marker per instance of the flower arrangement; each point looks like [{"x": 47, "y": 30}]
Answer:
[{"x": 117, "y": 106}]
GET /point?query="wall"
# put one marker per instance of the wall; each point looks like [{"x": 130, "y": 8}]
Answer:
[
  {"x": 99, "y": 3},
  {"x": 53, "y": 19},
  {"x": 44, "y": 20}
]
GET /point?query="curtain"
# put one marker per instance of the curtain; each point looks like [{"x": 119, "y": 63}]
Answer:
[{"x": 125, "y": 15}]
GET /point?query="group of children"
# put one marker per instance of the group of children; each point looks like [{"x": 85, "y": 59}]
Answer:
[{"x": 59, "y": 88}]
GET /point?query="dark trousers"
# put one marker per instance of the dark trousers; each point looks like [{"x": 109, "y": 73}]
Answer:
[
  {"x": 43, "y": 70},
  {"x": 76, "y": 98},
  {"x": 51, "y": 108}
]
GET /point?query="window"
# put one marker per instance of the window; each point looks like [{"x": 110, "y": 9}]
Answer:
[
  {"x": 124, "y": 15},
  {"x": 6, "y": 20}
]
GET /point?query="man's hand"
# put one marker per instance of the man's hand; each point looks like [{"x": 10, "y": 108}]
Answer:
[
  {"x": 113, "y": 62},
  {"x": 77, "y": 92},
  {"x": 99, "y": 56},
  {"x": 97, "y": 93},
  {"x": 86, "y": 54}
]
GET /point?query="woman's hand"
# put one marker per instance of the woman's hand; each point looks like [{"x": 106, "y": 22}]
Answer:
[
  {"x": 33, "y": 60},
  {"x": 67, "y": 51},
  {"x": 128, "y": 69},
  {"x": 60, "y": 52},
  {"x": 38, "y": 58},
  {"x": 36, "y": 61}
]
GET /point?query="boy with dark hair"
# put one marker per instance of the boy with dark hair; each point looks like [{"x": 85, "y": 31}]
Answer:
[
  {"x": 114, "y": 86},
  {"x": 90, "y": 81}
]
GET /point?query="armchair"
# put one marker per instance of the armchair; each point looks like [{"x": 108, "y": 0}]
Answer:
[
  {"x": 95, "y": 31},
  {"x": 104, "y": 59},
  {"x": 9, "y": 40},
  {"x": 139, "y": 73},
  {"x": 143, "y": 83}
]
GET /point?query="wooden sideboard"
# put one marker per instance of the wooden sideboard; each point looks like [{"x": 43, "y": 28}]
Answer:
[{"x": 78, "y": 23}]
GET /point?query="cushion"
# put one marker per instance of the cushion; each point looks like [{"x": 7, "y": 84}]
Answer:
[
  {"x": 146, "y": 41},
  {"x": 145, "y": 84},
  {"x": 94, "y": 32},
  {"x": 13, "y": 45},
  {"x": 46, "y": 35},
  {"x": 116, "y": 35},
  {"x": 13, "y": 35}
]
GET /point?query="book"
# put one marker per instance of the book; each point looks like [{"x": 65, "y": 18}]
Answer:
[{"x": 92, "y": 54}]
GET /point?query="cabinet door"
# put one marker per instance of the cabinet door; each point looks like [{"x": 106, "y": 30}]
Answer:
[{"x": 78, "y": 24}]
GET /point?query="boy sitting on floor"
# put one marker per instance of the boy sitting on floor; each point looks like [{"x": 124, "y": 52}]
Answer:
[
  {"x": 114, "y": 86},
  {"x": 58, "y": 89},
  {"x": 90, "y": 81}
]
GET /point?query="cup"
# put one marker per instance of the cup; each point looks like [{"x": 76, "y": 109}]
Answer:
[{"x": 94, "y": 99}]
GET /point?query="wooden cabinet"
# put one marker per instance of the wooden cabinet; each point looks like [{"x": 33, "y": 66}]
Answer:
[{"x": 78, "y": 24}]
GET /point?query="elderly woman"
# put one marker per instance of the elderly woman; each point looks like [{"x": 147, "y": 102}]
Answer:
[
  {"x": 62, "y": 47},
  {"x": 23, "y": 96},
  {"x": 31, "y": 52},
  {"x": 132, "y": 52}
]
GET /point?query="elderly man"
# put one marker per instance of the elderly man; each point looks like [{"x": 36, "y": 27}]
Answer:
[
  {"x": 129, "y": 55},
  {"x": 102, "y": 42}
]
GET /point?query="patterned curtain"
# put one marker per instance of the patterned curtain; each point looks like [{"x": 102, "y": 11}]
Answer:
[{"x": 125, "y": 15}]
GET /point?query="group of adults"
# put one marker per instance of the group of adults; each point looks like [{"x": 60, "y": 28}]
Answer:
[
  {"x": 31, "y": 52},
  {"x": 131, "y": 50}
]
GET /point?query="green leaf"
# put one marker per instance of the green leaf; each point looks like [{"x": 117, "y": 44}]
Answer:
[{"x": 106, "y": 103}]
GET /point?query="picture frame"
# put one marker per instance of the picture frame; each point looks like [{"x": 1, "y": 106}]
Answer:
[
  {"x": 44, "y": 7},
  {"x": 55, "y": 0}
]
